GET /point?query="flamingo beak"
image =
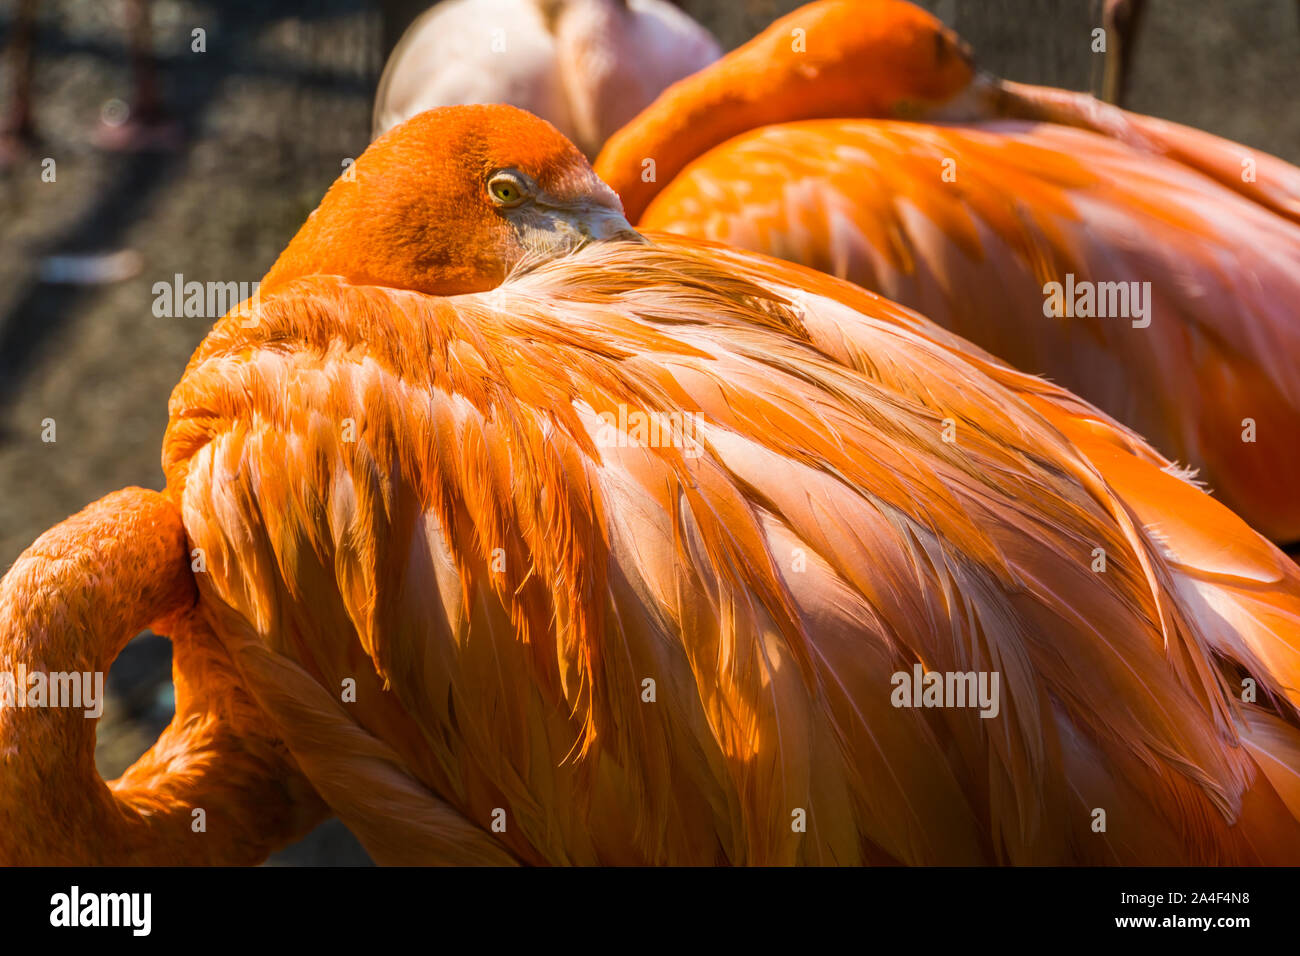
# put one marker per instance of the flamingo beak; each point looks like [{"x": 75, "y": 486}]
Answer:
[
  {"x": 550, "y": 230},
  {"x": 600, "y": 223}
]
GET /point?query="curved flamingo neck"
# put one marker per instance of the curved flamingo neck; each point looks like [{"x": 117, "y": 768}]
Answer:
[
  {"x": 68, "y": 605},
  {"x": 829, "y": 59},
  {"x": 60, "y": 638}
]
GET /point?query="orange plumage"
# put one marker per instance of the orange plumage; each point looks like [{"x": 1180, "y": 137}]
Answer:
[
  {"x": 438, "y": 501},
  {"x": 856, "y": 137}
]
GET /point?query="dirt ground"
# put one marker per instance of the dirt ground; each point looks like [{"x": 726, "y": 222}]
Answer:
[{"x": 267, "y": 115}]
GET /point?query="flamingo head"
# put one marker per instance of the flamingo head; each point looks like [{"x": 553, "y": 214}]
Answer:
[{"x": 454, "y": 200}]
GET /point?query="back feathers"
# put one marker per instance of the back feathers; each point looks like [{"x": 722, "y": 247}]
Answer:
[{"x": 576, "y": 642}]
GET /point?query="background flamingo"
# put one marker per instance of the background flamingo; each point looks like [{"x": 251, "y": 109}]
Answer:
[
  {"x": 420, "y": 494},
  {"x": 963, "y": 196},
  {"x": 145, "y": 124},
  {"x": 588, "y": 66},
  {"x": 1122, "y": 20}
]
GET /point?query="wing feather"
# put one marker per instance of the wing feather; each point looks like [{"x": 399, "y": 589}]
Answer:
[
  {"x": 968, "y": 224},
  {"x": 675, "y": 648}
]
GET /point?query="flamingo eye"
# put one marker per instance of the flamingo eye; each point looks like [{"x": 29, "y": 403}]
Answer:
[{"x": 507, "y": 189}]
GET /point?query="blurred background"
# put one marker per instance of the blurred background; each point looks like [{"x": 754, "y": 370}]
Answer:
[{"x": 169, "y": 160}]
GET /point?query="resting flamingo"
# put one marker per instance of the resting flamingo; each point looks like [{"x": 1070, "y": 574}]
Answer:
[
  {"x": 859, "y": 139},
  {"x": 486, "y": 616},
  {"x": 588, "y": 66},
  {"x": 145, "y": 125}
]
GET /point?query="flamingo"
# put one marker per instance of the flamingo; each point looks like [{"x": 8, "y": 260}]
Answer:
[
  {"x": 425, "y": 563},
  {"x": 858, "y": 138},
  {"x": 145, "y": 125},
  {"x": 1122, "y": 20},
  {"x": 588, "y": 66},
  {"x": 17, "y": 127}
]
